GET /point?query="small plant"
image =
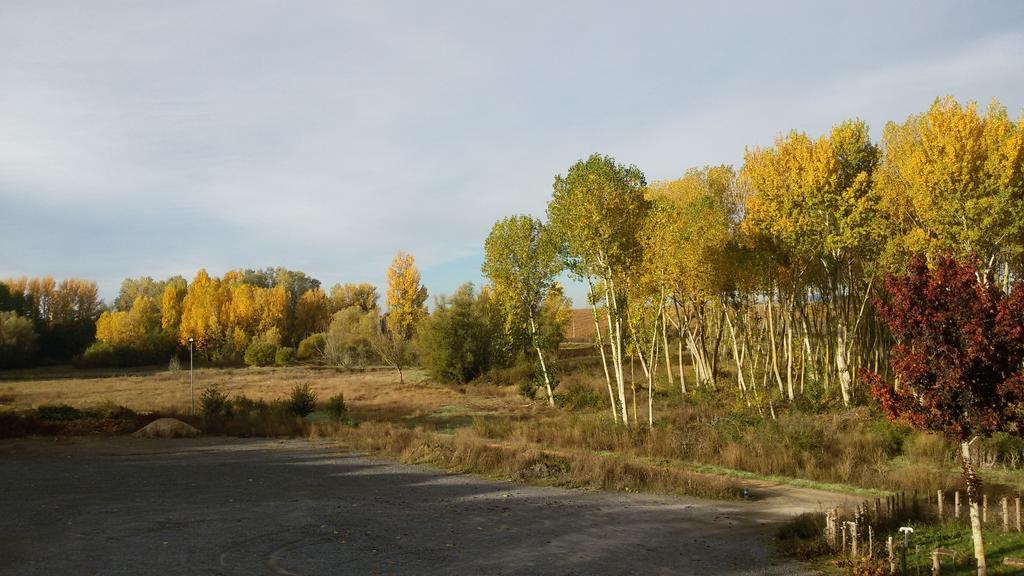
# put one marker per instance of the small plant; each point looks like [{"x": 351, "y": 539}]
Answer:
[
  {"x": 285, "y": 356},
  {"x": 214, "y": 403},
  {"x": 302, "y": 401},
  {"x": 108, "y": 410},
  {"x": 58, "y": 412},
  {"x": 527, "y": 388},
  {"x": 260, "y": 353},
  {"x": 580, "y": 397},
  {"x": 174, "y": 364},
  {"x": 245, "y": 406},
  {"x": 336, "y": 407}
]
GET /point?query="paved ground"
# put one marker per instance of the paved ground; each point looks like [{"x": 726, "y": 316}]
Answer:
[{"x": 233, "y": 506}]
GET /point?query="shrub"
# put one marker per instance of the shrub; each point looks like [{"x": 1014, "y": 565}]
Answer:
[
  {"x": 109, "y": 411},
  {"x": 285, "y": 356},
  {"x": 106, "y": 355},
  {"x": 214, "y": 403},
  {"x": 302, "y": 400},
  {"x": 462, "y": 339},
  {"x": 311, "y": 347},
  {"x": 58, "y": 412},
  {"x": 580, "y": 397},
  {"x": 174, "y": 364},
  {"x": 245, "y": 406},
  {"x": 336, "y": 407},
  {"x": 527, "y": 388},
  {"x": 260, "y": 353}
]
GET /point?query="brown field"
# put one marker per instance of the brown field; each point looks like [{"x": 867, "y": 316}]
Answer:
[{"x": 373, "y": 394}]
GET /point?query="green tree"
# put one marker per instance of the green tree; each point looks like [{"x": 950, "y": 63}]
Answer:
[
  {"x": 17, "y": 339},
  {"x": 363, "y": 296},
  {"x": 521, "y": 259},
  {"x": 595, "y": 212},
  {"x": 457, "y": 341}
]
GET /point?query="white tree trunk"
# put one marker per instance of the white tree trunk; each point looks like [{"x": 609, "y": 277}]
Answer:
[
  {"x": 973, "y": 499},
  {"x": 540, "y": 356},
  {"x": 842, "y": 366},
  {"x": 668, "y": 356},
  {"x": 736, "y": 355},
  {"x": 615, "y": 335},
  {"x": 604, "y": 360}
]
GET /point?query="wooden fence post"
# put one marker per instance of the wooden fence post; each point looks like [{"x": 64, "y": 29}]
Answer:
[
  {"x": 956, "y": 505},
  {"x": 853, "y": 539},
  {"x": 871, "y": 542},
  {"x": 892, "y": 555},
  {"x": 1006, "y": 514},
  {"x": 984, "y": 508},
  {"x": 940, "y": 501},
  {"x": 936, "y": 568},
  {"x": 1016, "y": 504}
]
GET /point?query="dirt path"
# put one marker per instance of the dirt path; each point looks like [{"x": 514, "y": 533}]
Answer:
[{"x": 233, "y": 506}]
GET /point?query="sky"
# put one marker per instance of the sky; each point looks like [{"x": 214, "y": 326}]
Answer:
[{"x": 154, "y": 138}]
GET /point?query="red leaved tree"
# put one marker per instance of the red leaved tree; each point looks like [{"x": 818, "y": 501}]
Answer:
[{"x": 957, "y": 362}]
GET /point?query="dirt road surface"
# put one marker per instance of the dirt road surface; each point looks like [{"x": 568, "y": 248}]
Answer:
[{"x": 235, "y": 506}]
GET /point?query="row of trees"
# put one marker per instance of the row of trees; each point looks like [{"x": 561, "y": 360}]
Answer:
[
  {"x": 45, "y": 320},
  {"x": 767, "y": 273},
  {"x": 226, "y": 316}
]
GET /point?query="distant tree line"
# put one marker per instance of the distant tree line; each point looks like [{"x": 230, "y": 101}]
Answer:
[{"x": 42, "y": 320}]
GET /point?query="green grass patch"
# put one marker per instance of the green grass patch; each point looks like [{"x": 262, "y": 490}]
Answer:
[{"x": 957, "y": 536}]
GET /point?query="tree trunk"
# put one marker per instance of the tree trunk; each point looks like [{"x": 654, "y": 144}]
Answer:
[
  {"x": 842, "y": 366},
  {"x": 540, "y": 356},
  {"x": 736, "y": 356},
  {"x": 615, "y": 334},
  {"x": 973, "y": 499},
  {"x": 668, "y": 355},
  {"x": 604, "y": 360},
  {"x": 774, "y": 350}
]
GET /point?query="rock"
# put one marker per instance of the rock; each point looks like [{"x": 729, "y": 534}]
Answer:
[{"x": 167, "y": 428}]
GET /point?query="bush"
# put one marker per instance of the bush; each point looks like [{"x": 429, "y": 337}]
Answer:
[
  {"x": 527, "y": 388},
  {"x": 302, "y": 401},
  {"x": 245, "y": 406},
  {"x": 58, "y": 412},
  {"x": 260, "y": 353},
  {"x": 311, "y": 347},
  {"x": 106, "y": 355},
  {"x": 580, "y": 397},
  {"x": 214, "y": 403},
  {"x": 336, "y": 407},
  {"x": 463, "y": 338},
  {"x": 109, "y": 411},
  {"x": 285, "y": 356}
]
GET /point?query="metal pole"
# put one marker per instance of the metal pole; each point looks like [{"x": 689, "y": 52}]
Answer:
[{"x": 191, "y": 380}]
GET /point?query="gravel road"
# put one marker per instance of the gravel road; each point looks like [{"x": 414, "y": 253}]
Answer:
[{"x": 236, "y": 506}]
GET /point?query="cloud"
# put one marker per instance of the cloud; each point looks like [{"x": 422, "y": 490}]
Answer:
[{"x": 153, "y": 138}]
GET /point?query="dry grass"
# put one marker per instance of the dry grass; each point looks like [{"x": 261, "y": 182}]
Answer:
[
  {"x": 493, "y": 430},
  {"x": 466, "y": 452},
  {"x": 372, "y": 394}
]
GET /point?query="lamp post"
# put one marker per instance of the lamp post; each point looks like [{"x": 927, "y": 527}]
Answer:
[{"x": 191, "y": 379}]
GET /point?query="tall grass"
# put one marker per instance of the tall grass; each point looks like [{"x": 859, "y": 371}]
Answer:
[{"x": 468, "y": 452}]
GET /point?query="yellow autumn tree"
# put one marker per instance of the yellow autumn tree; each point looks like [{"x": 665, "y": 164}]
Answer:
[
  {"x": 170, "y": 307},
  {"x": 312, "y": 313},
  {"x": 201, "y": 312},
  {"x": 952, "y": 179},
  {"x": 406, "y": 296}
]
